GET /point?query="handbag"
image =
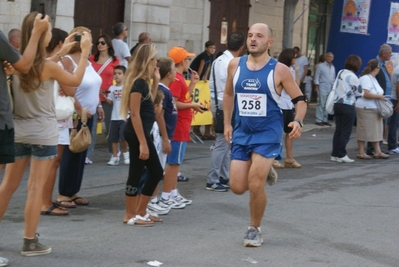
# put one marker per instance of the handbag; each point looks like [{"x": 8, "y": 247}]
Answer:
[
  {"x": 385, "y": 108},
  {"x": 219, "y": 119},
  {"x": 80, "y": 140},
  {"x": 64, "y": 105},
  {"x": 331, "y": 96}
]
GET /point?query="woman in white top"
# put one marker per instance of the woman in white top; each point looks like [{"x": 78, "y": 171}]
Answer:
[
  {"x": 36, "y": 132},
  {"x": 288, "y": 58},
  {"x": 86, "y": 96},
  {"x": 369, "y": 122},
  {"x": 347, "y": 88}
]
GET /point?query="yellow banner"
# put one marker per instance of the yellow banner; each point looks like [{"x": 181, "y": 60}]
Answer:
[{"x": 202, "y": 95}]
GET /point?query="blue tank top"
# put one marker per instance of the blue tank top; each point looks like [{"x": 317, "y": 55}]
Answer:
[{"x": 258, "y": 117}]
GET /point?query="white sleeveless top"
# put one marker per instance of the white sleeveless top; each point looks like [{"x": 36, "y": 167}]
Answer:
[{"x": 88, "y": 92}]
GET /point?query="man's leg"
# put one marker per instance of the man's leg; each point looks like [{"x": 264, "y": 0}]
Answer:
[
  {"x": 323, "y": 100},
  {"x": 218, "y": 158},
  {"x": 257, "y": 175}
]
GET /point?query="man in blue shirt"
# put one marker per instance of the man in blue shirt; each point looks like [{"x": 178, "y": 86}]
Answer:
[{"x": 253, "y": 87}]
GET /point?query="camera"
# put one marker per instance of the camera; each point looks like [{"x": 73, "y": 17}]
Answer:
[{"x": 78, "y": 37}]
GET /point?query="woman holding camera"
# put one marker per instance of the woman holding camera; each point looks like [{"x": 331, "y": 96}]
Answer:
[
  {"x": 86, "y": 96},
  {"x": 36, "y": 131}
]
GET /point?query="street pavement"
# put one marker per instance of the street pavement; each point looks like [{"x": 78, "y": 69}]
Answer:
[{"x": 324, "y": 214}]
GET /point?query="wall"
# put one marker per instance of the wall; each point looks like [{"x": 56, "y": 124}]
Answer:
[
  {"x": 171, "y": 22},
  {"x": 271, "y": 12},
  {"x": 12, "y": 14}
]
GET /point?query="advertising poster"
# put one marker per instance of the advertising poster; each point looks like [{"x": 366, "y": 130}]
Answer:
[
  {"x": 393, "y": 25},
  {"x": 355, "y": 16},
  {"x": 202, "y": 95}
]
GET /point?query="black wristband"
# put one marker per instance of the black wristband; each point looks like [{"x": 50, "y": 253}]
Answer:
[{"x": 299, "y": 98}]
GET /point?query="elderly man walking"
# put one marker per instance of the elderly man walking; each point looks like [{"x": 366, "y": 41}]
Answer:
[{"x": 324, "y": 79}]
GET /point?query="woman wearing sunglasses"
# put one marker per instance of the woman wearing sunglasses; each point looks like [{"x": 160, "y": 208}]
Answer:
[{"x": 103, "y": 61}]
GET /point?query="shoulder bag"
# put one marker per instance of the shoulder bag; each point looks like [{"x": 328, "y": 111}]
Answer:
[
  {"x": 64, "y": 105},
  {"x": 80, "y": 140},
  {"x": 331, "y": 96},
  {"x": 384, "y": 107},
  {"x": 219, "y": 120}
]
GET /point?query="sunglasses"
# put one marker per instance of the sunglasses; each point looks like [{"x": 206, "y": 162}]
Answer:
[{"x": 101, "y": 43}]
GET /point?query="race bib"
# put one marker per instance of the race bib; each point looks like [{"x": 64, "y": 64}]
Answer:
[{"x": 252, "y": 105}]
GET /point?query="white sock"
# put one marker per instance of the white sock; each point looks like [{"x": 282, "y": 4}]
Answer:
[
  {"x": 165, "y": 195},
  {"x": 174, "y": 192}
]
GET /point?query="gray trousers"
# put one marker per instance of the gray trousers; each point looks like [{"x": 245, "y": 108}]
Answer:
[{"x": 220, "y": 160}]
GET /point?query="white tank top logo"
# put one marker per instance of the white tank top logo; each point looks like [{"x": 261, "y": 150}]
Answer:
[{"x": 251, "y": 84}]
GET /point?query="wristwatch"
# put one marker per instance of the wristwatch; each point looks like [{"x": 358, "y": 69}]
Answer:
[{"x": 300, "y": 122}]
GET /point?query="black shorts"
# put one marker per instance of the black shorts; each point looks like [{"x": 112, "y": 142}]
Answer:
[
  {"x": 288, "y": 116},
  {"x": 7, "y": 148},
  {"x": 116, "y": 129}
]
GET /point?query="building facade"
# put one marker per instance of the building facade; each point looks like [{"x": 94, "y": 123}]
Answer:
[{"x": 188, "y": 23}]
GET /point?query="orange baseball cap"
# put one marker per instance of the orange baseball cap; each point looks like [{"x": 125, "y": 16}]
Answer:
[{"x": 178, "y": 54}]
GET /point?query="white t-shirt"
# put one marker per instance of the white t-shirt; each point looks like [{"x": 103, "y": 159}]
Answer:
[
  {"x": 301, "y": 61},
  {"x": 121, "y": 50},
  {"x": 285, "y": 99},
  {"x": 308, "y": 81},
  {"x": 115, "y": 95},
  {"x": 370, "y": 83}
]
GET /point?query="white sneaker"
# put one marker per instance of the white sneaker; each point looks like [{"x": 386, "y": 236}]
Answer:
[
  {"x": 3, "y": 261},
  {"x": 394, "y": 151},
  {"x": 126, "y": 158},
  {"x": 113, "y": 161},
  {"x": 180, "y": 199},
  {"x": 333, "y": 159},
  {"x": 155, "y": 207},
  {"x": 172, "y": 203},
  {"x": 345, "y": 159}
]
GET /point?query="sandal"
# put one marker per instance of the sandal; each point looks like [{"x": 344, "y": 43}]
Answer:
[
  {"x": 60, "y": 203},
  {"x": 153, "y": 218},
  {"x": 50, "y": 211},
  {"x": 140, "y": 221},
  {"x": 363, "y": 156},
  {"x": 80, "y": 201},
  {"x": 292, "y": 164},
  {"x": 381, "y": 156},
  {"x": 277, "y": 165}
]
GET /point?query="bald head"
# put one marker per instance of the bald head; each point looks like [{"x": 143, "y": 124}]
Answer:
[
  {"x": 264, "y": 28},
  {"x": 14, "y": 37},
  {"x": 259, "y": 39},
  {"x": 144, "y": 38}
]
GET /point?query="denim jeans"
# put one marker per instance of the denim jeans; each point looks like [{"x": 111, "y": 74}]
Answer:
[{"x": 344, "y": 118}]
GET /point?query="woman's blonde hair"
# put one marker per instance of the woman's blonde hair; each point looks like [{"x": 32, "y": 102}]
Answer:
[
  {"x": 32, "y": 80},
  {"x": 76, "y": 47},
  {"x": 138, "y": 68}
]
